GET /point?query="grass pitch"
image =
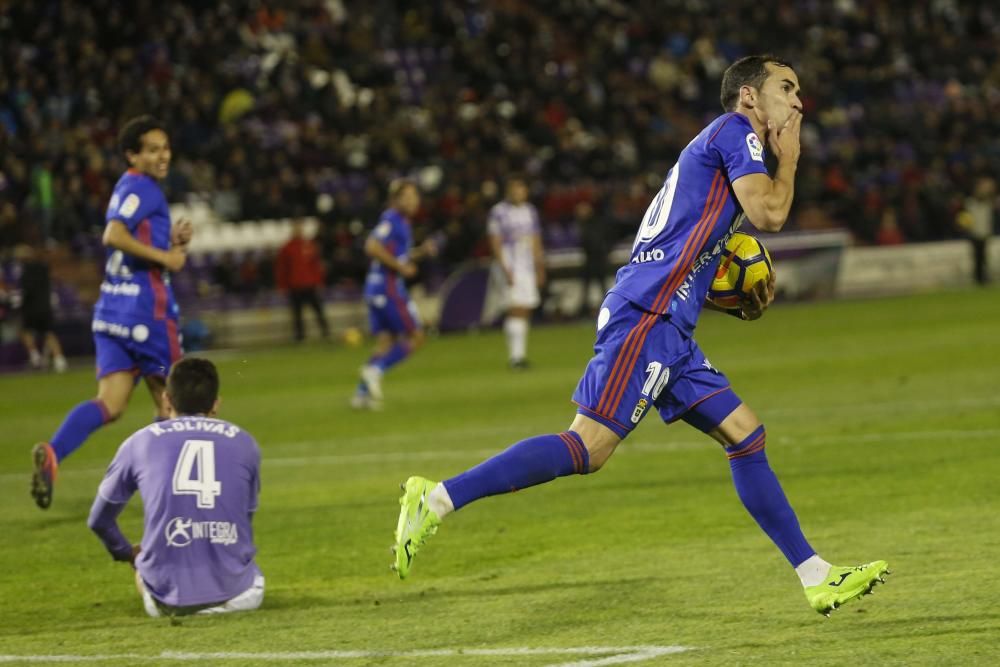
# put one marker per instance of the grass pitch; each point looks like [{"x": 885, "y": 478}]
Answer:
[{"x": 883, "y": 425}]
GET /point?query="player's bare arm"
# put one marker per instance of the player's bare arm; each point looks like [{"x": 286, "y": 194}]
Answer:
[
  {"x": 766, "y": 201},
  {"x": 426, "y": 249},
  {"x": 377, "y": 251},
  {"x": 539, "y": 252},
  {"x": 117, "y": 236},
  {"x": 496, "y": 245}
]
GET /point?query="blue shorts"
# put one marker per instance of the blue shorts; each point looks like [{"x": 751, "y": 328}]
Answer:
[
  {"x": 144, "y": 349},
  {"x": 393, "y": 313},
  {"x": 642, "y": 360}
]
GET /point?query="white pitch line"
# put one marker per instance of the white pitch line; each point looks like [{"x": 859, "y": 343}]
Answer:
[
  {"x": 613, "y": 655},
  {"x": 640, "y": 446}
]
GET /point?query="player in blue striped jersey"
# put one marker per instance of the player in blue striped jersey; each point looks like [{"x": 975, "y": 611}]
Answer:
[
  {"x": 135, "y": 318},
  {"x": 392, "y": 315},
  {"x": 645, "y": 355}
]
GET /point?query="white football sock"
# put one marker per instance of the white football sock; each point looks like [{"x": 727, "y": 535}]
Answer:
[
  {"x": 812, "y": 571},
  {"x": 516, "y": 329},
  {"x": 440, "y": 502}
]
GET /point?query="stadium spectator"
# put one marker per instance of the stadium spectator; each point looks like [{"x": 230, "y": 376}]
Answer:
[
  {"x": 36, "y": 310},
  {"x": 977, "y": 220},
  {"x": 596, "y": 242},
  {"x": 197, "y": 550},
  {"x": 298, "y": 271},
  {"x": 901, "y": 109}
]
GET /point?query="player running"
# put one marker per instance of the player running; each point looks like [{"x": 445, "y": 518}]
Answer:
[
  {"x": 392, "y": 315},
  {"x": 516, "y": 241},
  {"x": 199, "y": 478},
  {"x": 645, "y": 355},
  {"x": 135, "y": 318}
]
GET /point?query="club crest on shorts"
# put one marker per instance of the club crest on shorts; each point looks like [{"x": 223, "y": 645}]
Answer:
[{"x": 640, "y": 409}]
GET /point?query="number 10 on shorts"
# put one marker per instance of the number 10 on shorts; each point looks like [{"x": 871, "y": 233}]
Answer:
[{"x": 656, "y": 379}]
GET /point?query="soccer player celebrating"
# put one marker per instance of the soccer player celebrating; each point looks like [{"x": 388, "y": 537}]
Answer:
[
  {"x": 645, "y": 355},
  {"x": 517, "y": 247},
  {"x": 392, "y": 315},
  {"x": 199, "y": 478},
  {"x": 135, "y": 318}
]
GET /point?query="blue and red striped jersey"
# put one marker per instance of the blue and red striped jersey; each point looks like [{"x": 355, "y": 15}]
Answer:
[
  {"x": 393, "y": 231},
  {"x": 134, "y": 289},
  {"x": 687, "y": 224}
]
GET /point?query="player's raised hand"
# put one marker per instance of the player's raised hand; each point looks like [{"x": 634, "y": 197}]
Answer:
[
  {"x": 784, "y": 140},
  {"x": 175, "y": 258},
  {"x": 429, "y": 248},
  {"x": 182, "y": 232},
  {"x": 759, "y": 299},
  {"x": 407, "y": 269}
]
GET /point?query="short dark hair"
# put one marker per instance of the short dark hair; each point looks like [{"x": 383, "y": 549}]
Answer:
[
  {"x": 397, "y": 185},
  {"x": 193, "y": 386},
  {"x": 748, "y": 71},
  {"x": 516, "y": 177},
  {"x": 130, "y": 136}
]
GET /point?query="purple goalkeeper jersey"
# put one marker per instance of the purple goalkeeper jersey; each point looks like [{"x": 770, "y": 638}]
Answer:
[
  {"x": 686, "y": 226},
  {"x": 134, "y": 290},
  {"x": 199, "y": 481}
]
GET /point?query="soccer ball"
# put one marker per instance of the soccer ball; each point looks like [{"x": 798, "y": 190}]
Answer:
[
  {"x": 745, "y": 262},
  {"x": 353, "y": 337}
]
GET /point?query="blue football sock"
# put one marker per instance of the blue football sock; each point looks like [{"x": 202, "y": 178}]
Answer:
[
  {"x": 761, "y": 494},
  {"x": 82, "y": 420},
  {"x": 533, "y": 461},
  {"x": 396, "y": 354}
]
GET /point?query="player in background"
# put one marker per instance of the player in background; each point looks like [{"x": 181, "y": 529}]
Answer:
[
  {"x": 199, "y": 478},
  {"x": 36, "y": 309},
  {"x": 135, "y": 318},
  {"x": 392, "y": 315},
  {"x": 645, "y": 354},
  {"x": 516, "y": 240}
]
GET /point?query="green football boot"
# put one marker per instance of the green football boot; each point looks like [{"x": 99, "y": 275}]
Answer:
[
  {"x": 844, "y": 584},
  {"x": 416, "y": 523}
]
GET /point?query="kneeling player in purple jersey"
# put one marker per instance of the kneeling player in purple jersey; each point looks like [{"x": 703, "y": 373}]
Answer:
[
  {"x": 135, "y": 318},
  {"x": 199, "y": 478},
  {"x": 645, "y": 355}
]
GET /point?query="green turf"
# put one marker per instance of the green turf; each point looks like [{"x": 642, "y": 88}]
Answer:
[{"x": 883, "y": 427}]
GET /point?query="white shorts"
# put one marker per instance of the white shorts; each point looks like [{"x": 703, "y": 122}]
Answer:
[
  {"x": 523, "y": 293},
  {"x": 248, "y": 600}
]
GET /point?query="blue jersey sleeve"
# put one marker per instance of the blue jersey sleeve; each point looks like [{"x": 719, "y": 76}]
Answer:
[
  {"x": 383, "y": 231},
  {"x": 119, "y": 481},
  {"x": 133, "y": 204},
  {"x": 740, "y": 150}
]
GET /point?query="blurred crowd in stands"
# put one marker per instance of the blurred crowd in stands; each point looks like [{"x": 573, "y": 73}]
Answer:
[{"x": 309, "y": 107}]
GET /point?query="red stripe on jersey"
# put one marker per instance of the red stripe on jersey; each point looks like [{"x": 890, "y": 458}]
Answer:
[
  {"x": 174, "y": 340},
  {"x": 702, "y": 230},
  {"x": 719, "y": 129},
  {"x": 404, "y": 312},
  {"x": 144, "y": 233}
]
